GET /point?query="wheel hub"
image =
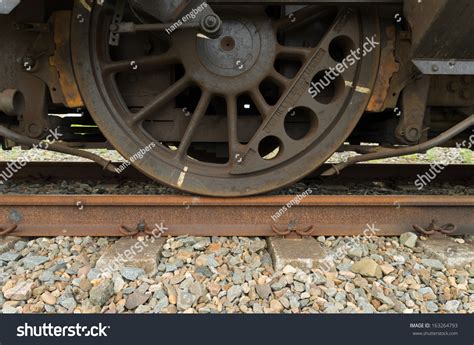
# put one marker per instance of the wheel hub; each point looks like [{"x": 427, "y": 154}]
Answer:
[
  {"x": 235, "y": 52},
  {"x": 243, "y": 55}
]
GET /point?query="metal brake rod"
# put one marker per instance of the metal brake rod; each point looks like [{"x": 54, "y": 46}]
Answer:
[
  {"x": 388, "y": 153},
  {"x": 23, "y": 140}
]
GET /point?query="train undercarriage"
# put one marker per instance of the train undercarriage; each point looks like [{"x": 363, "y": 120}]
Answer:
[{"x": 227, "y": 98}]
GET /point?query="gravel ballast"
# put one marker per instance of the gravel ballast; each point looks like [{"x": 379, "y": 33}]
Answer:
[{"x": 232, "y": 275}]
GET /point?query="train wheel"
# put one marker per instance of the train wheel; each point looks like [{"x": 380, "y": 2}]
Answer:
[{"x": 231, "y": 116}]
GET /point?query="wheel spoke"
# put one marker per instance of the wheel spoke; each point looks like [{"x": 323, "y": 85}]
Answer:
[
  {"x": 301, "y": 53},
  {"x": 160, "y": 101},
  {"x": 260, "y": 102},
  {"x": 196, "y": 118},
  {"x": 232, "y": 121},
  {"x": 280, "y": 79},
  {"x": 146, "y": 63}
]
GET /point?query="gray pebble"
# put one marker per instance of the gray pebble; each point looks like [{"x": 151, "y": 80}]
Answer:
[
  {"x": 33, "y": 261},
  {"x": 131, "y": 273}
]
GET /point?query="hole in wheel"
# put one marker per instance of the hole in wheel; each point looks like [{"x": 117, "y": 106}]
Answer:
[
  {"x": 269, "y": 147},
  {"x": 326, "y": 86},
  {"x": 288, "y": 68},
  {"x": 340, "y": 48},
  {"x": 270, "y": 91},
  {"x": 300, "y": 122}
]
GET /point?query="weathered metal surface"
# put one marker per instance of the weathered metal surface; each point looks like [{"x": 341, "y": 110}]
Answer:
[
  {"x": 235, "y": 65},
  {"x": 35, "y": 114},
  {"x": 61, "y": 59},
  {"x": 440, "y": 32},
  {"x": 12, "y": 102},
  {"x": 413, "y": 111},
  {"x": 186, "y": 11},
  {"x": 406, "y": 72},
  {"x": 441, "y": 29},
  {"x": 452, "y": 90},
  {"x": 76, "y": 215},
  {"x": 445, "y": 66},
  {"x": 436, "y": 230},
  {"x": 388, "y": 67}
]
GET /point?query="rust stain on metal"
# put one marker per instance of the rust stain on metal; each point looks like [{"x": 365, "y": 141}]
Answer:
[
  {"x": 102, "y": 215},
  {"x": 388, "y": 66},
  {"x": 8, "y": 230},
  {"x": 292, "y": 231},
  {"x": 436, "y": 230},
  {"x": 61, "y": 59}
]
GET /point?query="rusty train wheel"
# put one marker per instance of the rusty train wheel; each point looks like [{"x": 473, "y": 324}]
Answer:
[{"x": 282, "y": 139}]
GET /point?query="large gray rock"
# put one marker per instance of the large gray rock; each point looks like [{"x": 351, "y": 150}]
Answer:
[
  {"x": 32, "y": 261},
  {"x": 7, "y": 243},
  {"x": 9, "y": 256},
  {"x": 382, "y": 298},
  {"x": 9, "y": 310},
  {"x": 301, "y": 253},
  {"x": 131, "y": 273},
  {"x": 131, "y": 252},
  {"x": 19, "y": 246},
  {"x": 450, "y": 253},
  {"x": 119, "y": 283},
  {"x": 433, "y": 263},
  {"x": 47, "y": 276},
  {"x": 205, "y": 271},
  {"x": 136, "y": 299},
  {"x": 355, "y": 252},
  {"x": 264, "y": 291},
  {"x": 48, "y": 298},
  {"x": 408, "y": 239},
  {"x": 234, "y": 292},
  {"x": 197, "y": 289},
  {"x": 20, "y": 292},
  {"x": 206, "y": 260},
  {"x": 161, "y": 304},
  {"x": 257, "y": 245},
  {"x": 431, "y": 306},
  {"x": 69, "y": 303},
  {"x": 451, "y": 306},
  {"x": 367, "y": 267},
  {"x": 185, "y": 300},
  {"x": 100, "y": 295}
]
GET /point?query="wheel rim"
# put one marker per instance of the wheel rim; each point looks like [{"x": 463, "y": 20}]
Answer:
[{"x": 207, "y": 66}]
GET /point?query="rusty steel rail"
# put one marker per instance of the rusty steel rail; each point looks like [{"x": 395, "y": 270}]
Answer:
[{"x": 101, "y": 215}]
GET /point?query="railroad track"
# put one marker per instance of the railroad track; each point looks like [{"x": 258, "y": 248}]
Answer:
[
  {"x": 120, "y": 215},
  {"x": 270, "y": 215}
]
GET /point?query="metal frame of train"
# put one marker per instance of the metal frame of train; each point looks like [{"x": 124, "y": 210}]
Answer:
[{"x": 233, "y": 98}]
